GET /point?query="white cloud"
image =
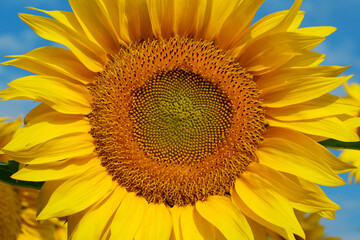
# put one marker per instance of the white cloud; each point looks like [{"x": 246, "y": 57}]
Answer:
[
  {"x": 352, "y": 204},
  {"x": 343, "y": 52},
  {"x": 44, "y": 3},
  {"x": 14, "y": 108},
  {"x": 15, "y": 44},
  {"x": 9, "y": 42},
  {"x": 350, "y": 236}
]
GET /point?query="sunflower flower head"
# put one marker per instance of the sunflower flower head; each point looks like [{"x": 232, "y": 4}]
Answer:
[
  {"x": 52, "y": 229},
  {"x": 179, "y": 119},
  {"x": 349, "y": 155},
  {"x": 309, "y": 222},
  {"x": 10, "y": 222},
  {"x": 312, "y": 227},
  {"x": 175, "y": 118},
  {"x": 18, "y": 205}
]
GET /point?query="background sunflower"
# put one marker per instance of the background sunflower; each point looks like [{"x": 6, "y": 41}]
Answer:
[
  {"x": 309, "y": 18},
  {"x": 18, "y": 204}
]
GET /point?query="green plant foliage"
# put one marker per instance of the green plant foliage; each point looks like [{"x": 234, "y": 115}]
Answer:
[
  {"x": 331, "y": 143},
  {"x": 8, "y": 169}
]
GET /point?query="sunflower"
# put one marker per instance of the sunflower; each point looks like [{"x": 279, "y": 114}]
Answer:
[
  {"x": 179, "y": 119},
  {"x": 10, "y": 208},
  {"x": 52, "y": 229},
  {"x": 309, "y": 222},
  {"x": 10, "y": 222},
  {"x": 312, "y": 227},
  {"x": 349, "y": 155},
  {"x": 18, "y": 205}
]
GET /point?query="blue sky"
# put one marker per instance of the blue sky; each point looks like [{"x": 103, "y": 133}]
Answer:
[{"x": 341, "y": 48}]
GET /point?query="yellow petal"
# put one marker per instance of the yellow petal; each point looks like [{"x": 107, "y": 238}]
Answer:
[
  {"x": 8, "y": 129},
  {"x": 53, "y": 61},
  {"x": 97, "y": 24},
  {"x": 58, "y": 93},
  {"x": 353, "y": 90},
  {"x": 323, "y": 154},
  {"x": 269, "y": 24},
  {"x": 56, "y": 170},
  {"x": 176, "y": 212},
  {"x": 171, "y": 17},
  {"x": 330, "y": 127},
  {"x": 284, "y": 75},
  {"x": 186, "y": 16},
  {"x": 162, "y": 17},
  {"x": 130, "y": 19},
  {"x": 288, "y": 20},
  {"x": 64, "y": 17},
  {"x": 205, "y": 228},
  {"x": 309, "y": 186},
  {"x": 156, "y": 223},
  {"x": 106, "y": 233},
  {"x": 85, "y": 50},
  {"x": 63, "y": 198},
  {"x": 307, "y": 200},
  {"x": 114, "y": 13},
  {"x": 305, "y": 59},
  {"x": 352, "y": 156},
  {"x": 55, "y": 149},
  {"x": 299, "y": 90},
  {"x": 324, "y": 106},
  {"x": 261, "y": 55},
  {"x": 258, "y": 230},
  {"x": 193, "y": 226},
  {"x": 291, "y": 155},
  {"x": 251, "y": 214},
  {"x": 188, "y": 227},
  {"x": 316, "y": 31},
  {"x": 98, "y": 215},
  {"x": 216, "y": 13},
  {"x": 223, "y": 214},
  {"x": 44, "y": 113},
  {"x": 119, "y": 19},
  {"x": 265, "y": 201},
  {"x": 350, "y": 122},
  {"x": 231, "y": 31},
  {"x": 128, "y": 217},
  {"x": 45, "y": 131}
]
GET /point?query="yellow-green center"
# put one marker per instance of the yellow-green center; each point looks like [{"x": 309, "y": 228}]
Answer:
[{"x": 179, "y": 117}]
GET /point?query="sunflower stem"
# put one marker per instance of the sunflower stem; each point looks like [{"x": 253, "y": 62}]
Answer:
[
  {"x": 8, "y": 169},
  {"x": 332, "y": 143}
]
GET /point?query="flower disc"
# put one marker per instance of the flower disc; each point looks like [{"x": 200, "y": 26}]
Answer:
[
  {"x": 175, "y": 120},
  {"x": 179, "y": 118}
]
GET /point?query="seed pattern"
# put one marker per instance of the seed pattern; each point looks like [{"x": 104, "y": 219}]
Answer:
[
  {"x": 179, "y": 118},
  {"x": 175, "y": 120}
]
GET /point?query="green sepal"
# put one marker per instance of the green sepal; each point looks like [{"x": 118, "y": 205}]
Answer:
[
  {"x": 8, "y": 169},
  {"x": 332, "y": 143}
]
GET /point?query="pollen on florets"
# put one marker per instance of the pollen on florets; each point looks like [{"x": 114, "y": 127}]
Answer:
[{"x": 175, "y": 120}]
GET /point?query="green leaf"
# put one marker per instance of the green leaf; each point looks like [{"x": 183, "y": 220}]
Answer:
[
  {"x": 8, "y": 169},
  {"x": 332, "y": 143}
]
